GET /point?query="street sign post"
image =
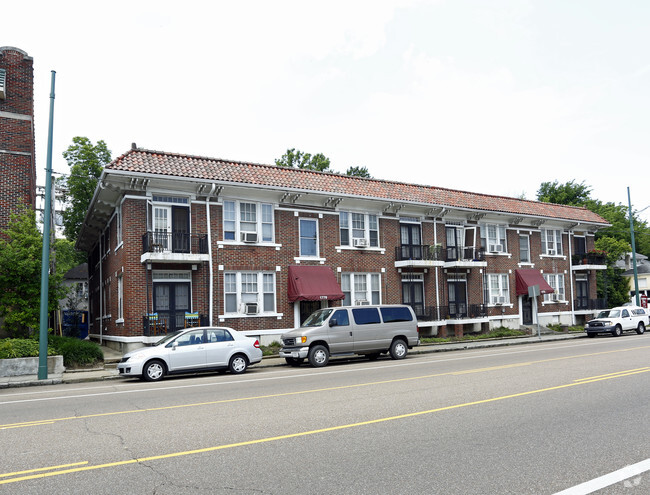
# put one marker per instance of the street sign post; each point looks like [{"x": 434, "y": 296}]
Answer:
[{"x": 533, "y": 292}]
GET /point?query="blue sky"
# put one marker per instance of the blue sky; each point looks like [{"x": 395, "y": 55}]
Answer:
[{"x": 490, "y": 96}]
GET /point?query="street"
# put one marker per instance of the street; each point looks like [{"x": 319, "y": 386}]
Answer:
[{"x": 536, "y": 419}]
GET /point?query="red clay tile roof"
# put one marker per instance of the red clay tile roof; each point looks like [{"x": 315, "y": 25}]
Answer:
[{"x": 212, "y": 169}]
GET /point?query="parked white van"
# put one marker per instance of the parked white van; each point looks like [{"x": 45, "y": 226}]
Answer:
[{"x": 364, "y": 330}]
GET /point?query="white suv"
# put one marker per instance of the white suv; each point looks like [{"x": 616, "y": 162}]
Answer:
[{"x": 618, "y": 320}]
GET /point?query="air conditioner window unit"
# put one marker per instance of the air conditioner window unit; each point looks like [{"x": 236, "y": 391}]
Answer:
[
  {"x": 249, "y": 237},
  {"x": 3, "y": 83},
  {"x": 250, "y": 308},
  {"x": 362, "y": 302},
  {"x": 551, "y": 252},
  {"x": 360, "y": 242}
]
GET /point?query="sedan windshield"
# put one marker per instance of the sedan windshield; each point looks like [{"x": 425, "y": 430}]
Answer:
[
  {"x": 317, "y": 318},
  {"x": 168, "y": 337}
]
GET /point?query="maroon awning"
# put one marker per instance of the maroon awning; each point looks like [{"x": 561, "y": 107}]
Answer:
[
  {"x": 527, "y": 277},
  {"x": 313, "y": 283}
]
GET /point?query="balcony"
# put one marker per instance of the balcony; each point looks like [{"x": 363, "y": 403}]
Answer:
[
  {"x": 460, "y": 256},
  {"x": 453, "y": 311},
  {"x": 174, "y": 247},
  {"x": 588, "y": 261},
  {"x": 418, "y": 255},
  {"x": 585, "y": 304}
]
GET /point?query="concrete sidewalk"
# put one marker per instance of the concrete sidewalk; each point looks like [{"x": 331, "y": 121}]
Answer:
[{"x": 111, "y": 358}]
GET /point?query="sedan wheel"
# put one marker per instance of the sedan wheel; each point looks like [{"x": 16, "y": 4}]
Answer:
[
  {"x": 154, "y": 371},
  {"x": 238, "y": 364}
]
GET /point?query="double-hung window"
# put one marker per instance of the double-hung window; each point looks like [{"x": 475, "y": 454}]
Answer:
[
  {"x": 361, "y": 288},
  {"x": 358, "y": 229},
  {"x": 247, "y": 221},
  {"x": 493, "y": 238},
  {"x": 249, "y": 293},
  {"x": 552, "y": 241},
  {"x": 555, "y": 280},
  {"x": 524, "y": 249},
  {"x": 308, "y": 237},
  {"x": 497, "y": 288}
]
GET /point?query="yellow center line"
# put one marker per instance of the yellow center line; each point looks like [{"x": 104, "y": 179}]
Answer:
[
  {"x": 43, "y": 469},
  {"x": 311, "y": 432},
  {"x": 613, "y": 374},
  {"x": 311, "y": 391}
]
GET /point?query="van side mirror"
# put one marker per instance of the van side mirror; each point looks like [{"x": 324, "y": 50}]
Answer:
[{"x": 334, "y": 323}]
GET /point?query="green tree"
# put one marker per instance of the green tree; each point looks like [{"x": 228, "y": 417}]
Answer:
[
  {"x": 358, "y": 172},
  {"x": 20, "y": 275},
  {"x": 298, "y": 159},
  {"x": 570, "y": 193},
  {"x": 66, "y": 256},
  {"x": 86, "y": 161}
]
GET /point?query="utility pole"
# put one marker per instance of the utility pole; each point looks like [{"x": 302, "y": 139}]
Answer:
[
  {"x": 636, "y": 275},
  {"x": 45, "y": 259}
]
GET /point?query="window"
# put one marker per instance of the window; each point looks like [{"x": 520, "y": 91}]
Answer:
[
  {"x": 251, "y": 222},
  {"x": 366, "y": 316},
  {"x": 524, "y": 249},
  {"x": 493, "y": 238},
  {"x": 308, "y": 237},
  {"x": 551, "y": 242},
  {"x": 497, "y": 289},
  {"x": 555, "y": 280},
  {"x": 396, "y": 314},
  {"x": 358, "y": 229},
  {"x": 249, "y": 293},
  {"x": 118, "y": 223},
  {"x": 120, "y": 298},
  {"x": 360, "y": 288}
]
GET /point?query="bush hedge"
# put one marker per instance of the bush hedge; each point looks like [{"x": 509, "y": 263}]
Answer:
[{"x": 75, "y": 352}]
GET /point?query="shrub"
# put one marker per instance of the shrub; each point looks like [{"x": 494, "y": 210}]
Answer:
[
  {"x": 19, "y": 348},
  {"x": 76, "y": 352}
]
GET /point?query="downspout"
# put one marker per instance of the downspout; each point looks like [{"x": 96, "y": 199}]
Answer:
[
  {"x": 573, "y": 309},
  {"x": 210, "y": 264},
  {"x": 435, "y": 243},
  {"x": 101, "y": 291}
]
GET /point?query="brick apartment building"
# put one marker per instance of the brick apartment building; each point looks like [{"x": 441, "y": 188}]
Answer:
[
  {"x": 17, "y": 148},
  {"x": 258, "y": 247}
]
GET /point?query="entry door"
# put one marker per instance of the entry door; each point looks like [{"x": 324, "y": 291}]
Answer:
[
  {"x": 162, "y": 227},
  {"x": 413, "y": 295},
  {"x": 171, "y": 301},
  {"x": 307, "y": 308},
  {"x": 411, "y": 242},
  {"x": 526, "y": 310},
  {"x": 582, "y": 294},
  {"x": 457, "y": 299},
  {"x": 180, "y": 229}
]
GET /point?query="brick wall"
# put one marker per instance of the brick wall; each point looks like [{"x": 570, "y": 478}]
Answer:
[{"x": 17, "y": 155}]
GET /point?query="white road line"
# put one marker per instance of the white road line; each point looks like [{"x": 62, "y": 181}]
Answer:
[
  {"x": 291, "y": 373},
  {"x": 608, "y": 479}
]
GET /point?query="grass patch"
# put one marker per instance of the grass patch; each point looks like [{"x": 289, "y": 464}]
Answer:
[{"x": 497, "y": 333}]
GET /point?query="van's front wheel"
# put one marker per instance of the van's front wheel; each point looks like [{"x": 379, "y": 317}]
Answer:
[
  {"x": 318, "y": 356},
  {"x": 398, "y": 349}
]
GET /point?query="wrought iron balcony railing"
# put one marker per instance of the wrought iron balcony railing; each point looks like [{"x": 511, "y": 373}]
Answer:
[{"x": 174, "y": 242}]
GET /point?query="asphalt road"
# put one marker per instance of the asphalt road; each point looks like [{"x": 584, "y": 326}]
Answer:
[{"x": 535, "y": 419}]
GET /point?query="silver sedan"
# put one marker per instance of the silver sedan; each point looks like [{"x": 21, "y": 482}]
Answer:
[{"x": 192, "y": 350}]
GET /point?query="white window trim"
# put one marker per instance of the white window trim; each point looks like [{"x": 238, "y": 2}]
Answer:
[
  {"x": 500, "y": 229},
  {"x": 545, "y": 249},
  {"x": 259, "y": 223},
  {"x": 551, "y": 279},
  {"x": 305, "y": 256},
  {"x": 366, "y": 228},
  {"x": 259, "y": 295},
  {"x": 369, "y": 290},
  {"x": 503, "y": 291}
]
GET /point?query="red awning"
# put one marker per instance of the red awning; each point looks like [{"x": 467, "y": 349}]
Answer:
[
  {"x": 313, "y": 283},
  {"x": 527, "y": 277}
]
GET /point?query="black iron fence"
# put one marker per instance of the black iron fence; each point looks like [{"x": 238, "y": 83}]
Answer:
[
  {"x": 166, "y": 322},
  {"x": 174, "y": 242},
  {"x": 437, "y": 252},
  {"x": 451, "y": 311},
  {"x": 589, "y": 304},
  {"x": 589, "y": 259}
]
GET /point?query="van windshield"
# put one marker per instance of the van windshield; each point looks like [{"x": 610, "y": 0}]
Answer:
[{"x": 317, "y": 318}]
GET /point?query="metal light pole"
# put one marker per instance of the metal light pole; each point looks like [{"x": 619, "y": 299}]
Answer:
[
  {"x": 636, "y": 275},
  {"x": 45, "y": 259}
]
